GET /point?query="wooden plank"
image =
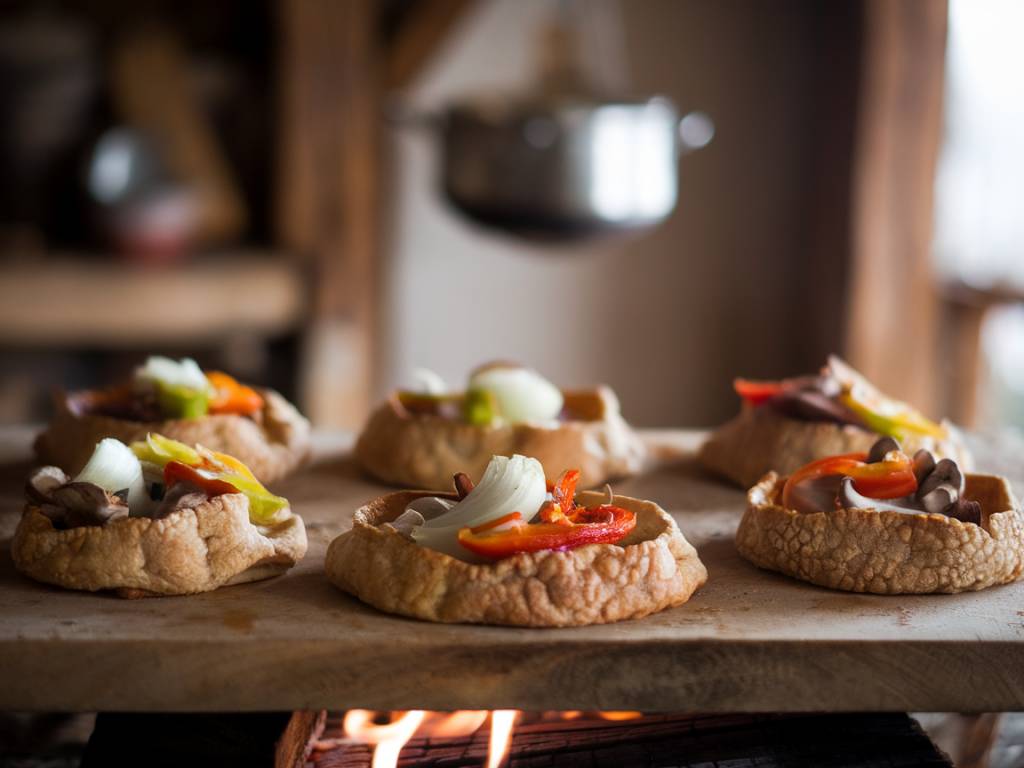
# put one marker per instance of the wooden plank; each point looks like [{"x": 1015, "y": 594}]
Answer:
[
  {"x": 328, "y": 199},
  {"x": 110, "y": 304},
  {"x": 748, "y": 641},
  {"x": 893, "y": 321}
]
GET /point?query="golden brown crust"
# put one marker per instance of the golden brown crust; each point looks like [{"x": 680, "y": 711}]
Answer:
[
  {"x": 885, "y": 552},
  {"x": 272, "y": 447},
  {"x": 760, "y": 440},
  {"x": 424, "y": 451},
  {"x": 191, "y": 550},
  {"x": 652, "y": 569}
]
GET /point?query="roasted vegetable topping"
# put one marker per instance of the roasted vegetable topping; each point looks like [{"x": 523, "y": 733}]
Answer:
[
  {"x": 232, "y": 397},
  {"x": 883, "y": 479},
  {"x": 497, "y": 393},
  {"x": 118, "y": 481},
  {"x": 563, "y": 525},
  {"x": 492, "y": 519},
  {"x": 841, "y": 395},
  {"x": 216, "y": 473}
]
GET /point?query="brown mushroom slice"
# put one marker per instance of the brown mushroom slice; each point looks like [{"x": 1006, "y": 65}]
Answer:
[
  {"x": 43, "y": 481},
  {"x": 180, "y": 496},
  {"x": 88, "y": 504},
  {"x": 924, "y": 463},
  {"x": 882, "y": 447}
]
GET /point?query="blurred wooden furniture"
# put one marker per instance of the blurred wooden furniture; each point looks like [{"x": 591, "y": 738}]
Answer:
[
  {"x": 317, "y": 278},
  {"x": 966, "y": 308},
  {"x": 65, "y": 301}
]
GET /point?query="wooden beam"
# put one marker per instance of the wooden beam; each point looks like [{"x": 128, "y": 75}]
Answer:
[
  {"x": 328, "y": 200},
  {"x": 893, "y": 318},
  {"x": 419, "y": 38}
]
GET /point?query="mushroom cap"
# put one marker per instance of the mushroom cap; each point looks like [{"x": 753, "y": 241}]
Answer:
[
  {"x": 653, "y": 568},
  {"x": 272, "y": 446},
  {"x": 426, "y": 451},
  {"x": 886, "y": 552},
  {"x": 191, "y": 550}
]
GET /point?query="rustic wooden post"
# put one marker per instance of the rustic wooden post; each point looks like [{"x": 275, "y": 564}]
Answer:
[
  {"x": 893, "y": 304},
  {"x": 327, "y": 208}
]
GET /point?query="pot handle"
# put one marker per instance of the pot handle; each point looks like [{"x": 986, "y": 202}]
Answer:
[{"x": 696, "y": 130}]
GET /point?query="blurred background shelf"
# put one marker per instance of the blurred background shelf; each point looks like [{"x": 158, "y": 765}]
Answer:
[{"x": 63, "y": 300}]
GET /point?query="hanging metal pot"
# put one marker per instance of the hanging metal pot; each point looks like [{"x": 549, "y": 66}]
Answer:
[{"x": 566, "y": 166}]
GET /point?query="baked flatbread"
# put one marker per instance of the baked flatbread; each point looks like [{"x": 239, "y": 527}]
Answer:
[
  {"x": 425, "y": 450},
  {"x": 196, "y": 549},
  {"x": 653, "y": 568},
  {"x": 886, "y": 552},
  {"x": 271, "y": 446}
]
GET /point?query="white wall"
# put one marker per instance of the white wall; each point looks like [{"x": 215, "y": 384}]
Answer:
[{"x": 667, "y": 318}]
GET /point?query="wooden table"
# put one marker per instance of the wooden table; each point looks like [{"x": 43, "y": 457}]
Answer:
[{"x": 748, "y": 641}]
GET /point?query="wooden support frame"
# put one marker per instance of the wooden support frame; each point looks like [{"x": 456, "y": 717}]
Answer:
[
  {"x": 893, "y": 303},
  {"x": 327, "y": 208}
]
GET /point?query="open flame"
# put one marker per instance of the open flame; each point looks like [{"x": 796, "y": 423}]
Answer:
[
  {"x": 502, "y": 722},
  {"x": 388, "y": 732}
]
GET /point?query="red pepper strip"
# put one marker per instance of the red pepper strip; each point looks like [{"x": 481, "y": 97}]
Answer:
[
  {"x": 496, "y": 523},
  {"x": 614, "y": 524},
  {"x": 756, "y": 392},
  {"x": 175, "y": 472},
  {"x": 232, "y": 397},
  {"x": 880, "y": 480},
  {"x": 551, "y": 512},
  {"x": 564, "y": 490}
]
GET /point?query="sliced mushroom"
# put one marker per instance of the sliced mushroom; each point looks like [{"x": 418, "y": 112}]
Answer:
[
  {"x": 88, "y": 504},
  {"x": 430, "y": 507},
  {"x": 179, "y": 496},
  {"x": 924, "y": 463},
  {"x": 405, "y": 522},
  {"x": 43, "y": 482},
  {"x": 941, "y": 487},
  {"x": 965, "y": 511},
  {"x": 882, "y": 446},
  {"x": 811, "y": 405},
  {"x": 463, "y": 485}
]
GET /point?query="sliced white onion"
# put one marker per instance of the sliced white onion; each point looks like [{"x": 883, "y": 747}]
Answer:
[
  {"x": 173, "y": 373},
  {"x": 853, "y": 500},
  {"x": 513, "y": 484},
  {"x": 520, "y": 394},
  {"x": 428, "y": 382},
  {"x": 113, "y": 467}
]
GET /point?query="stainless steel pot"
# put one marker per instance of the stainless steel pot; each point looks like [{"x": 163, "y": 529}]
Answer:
[{"x": 566, "y": 167}]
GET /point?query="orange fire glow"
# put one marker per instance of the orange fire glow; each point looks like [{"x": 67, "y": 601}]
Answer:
[
  {"x": 620, "y": 715},
  {"x": 390, "y": 731}
]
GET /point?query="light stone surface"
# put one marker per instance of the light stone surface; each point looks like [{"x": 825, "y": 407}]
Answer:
[{"x": 748, "y": 640}]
